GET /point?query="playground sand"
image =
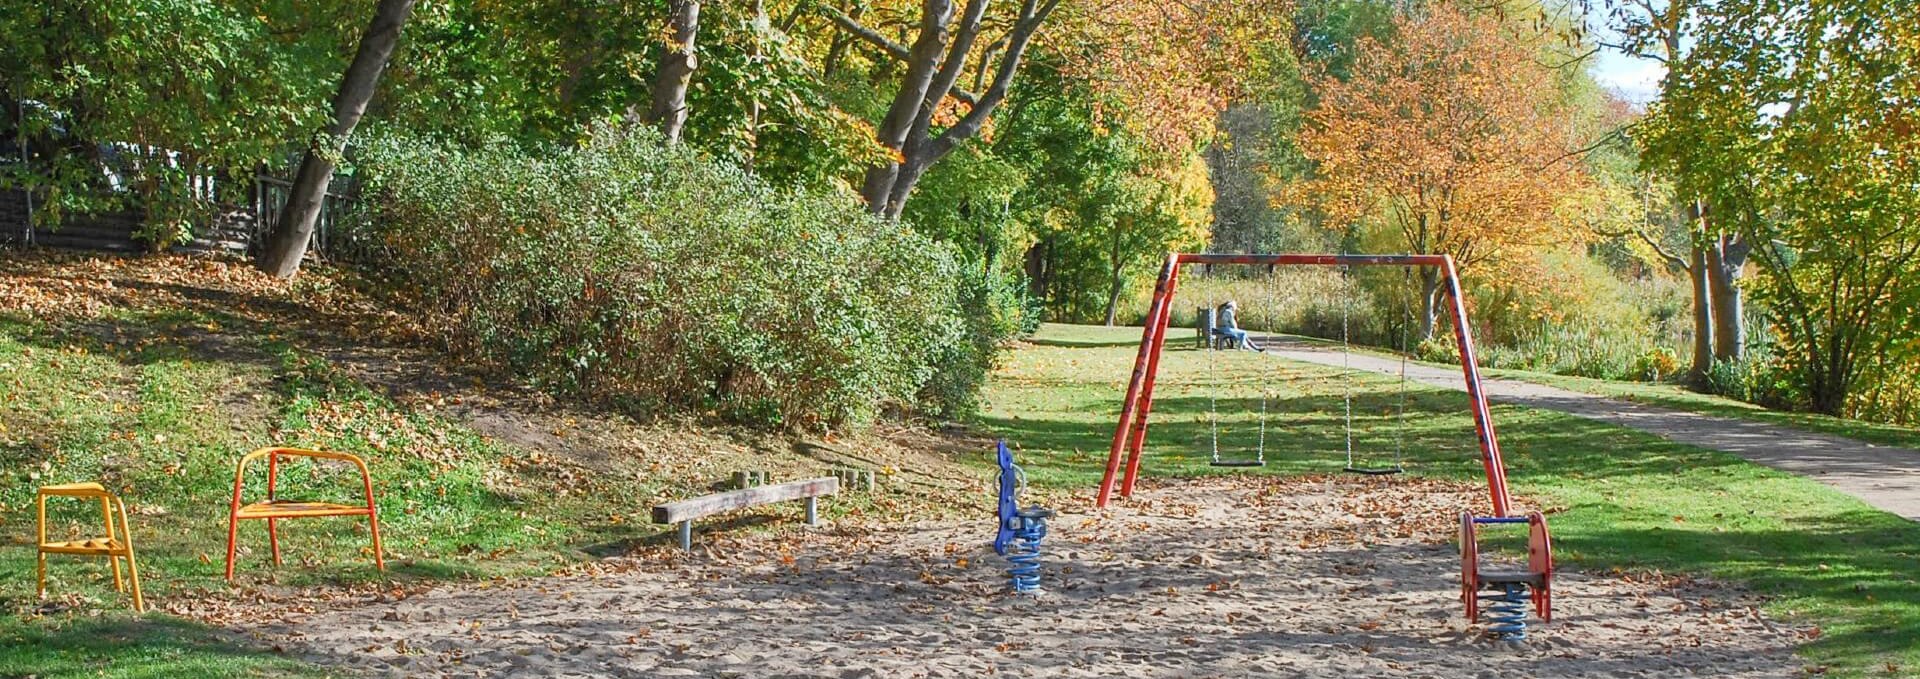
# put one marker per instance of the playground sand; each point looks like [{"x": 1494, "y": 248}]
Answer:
[{"x": 1223, "y": 578}]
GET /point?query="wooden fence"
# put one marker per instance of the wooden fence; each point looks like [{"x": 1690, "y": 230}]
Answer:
[{"x": 240, "y": 229}]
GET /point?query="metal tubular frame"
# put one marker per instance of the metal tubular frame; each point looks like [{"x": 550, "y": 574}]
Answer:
[
  {"x": 1130, "y": 433},
  {"x": 273, "y": 510}
]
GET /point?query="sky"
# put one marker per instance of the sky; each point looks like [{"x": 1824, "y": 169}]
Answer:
[{"x": 1635, "y": 79}]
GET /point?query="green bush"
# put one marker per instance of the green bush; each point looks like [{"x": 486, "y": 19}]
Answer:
[
  {"x": 1574, "y": 317},
  {"x": 1757, "y": 379},
  {"x": 997, "y": 308},
  {"x": 626, "y": 269}
]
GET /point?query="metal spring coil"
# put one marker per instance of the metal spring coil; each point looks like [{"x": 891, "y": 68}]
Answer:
[
  {"x": 1024, "y": 554},
  {"x": 1507, "y": 612}
]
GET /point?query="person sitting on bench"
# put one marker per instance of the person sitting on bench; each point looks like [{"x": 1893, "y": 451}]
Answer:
[{"x": 1225, "y": 325}]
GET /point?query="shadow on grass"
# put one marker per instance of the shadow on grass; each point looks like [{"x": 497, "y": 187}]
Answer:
[
  {"x": 119, "y": 645},
  {"x": 1855, "y": 567},
  {"x": 1083, "y": 344},
  {"x": 1306, "y": 434}
]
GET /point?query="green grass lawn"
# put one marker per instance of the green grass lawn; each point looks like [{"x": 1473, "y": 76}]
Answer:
[
  {"x": 1663, "y": 394},
  {"x": 1680, "y": 398},
  {"x": 1620, "y": 498}
]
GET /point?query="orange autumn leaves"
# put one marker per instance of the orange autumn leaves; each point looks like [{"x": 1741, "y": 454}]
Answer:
[
  {"x": 1452, "y": 134},
  {"x": 1164, "y": 70}
]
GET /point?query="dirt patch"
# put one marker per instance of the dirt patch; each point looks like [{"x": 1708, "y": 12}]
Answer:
[{"x": 1332, "y": 578}]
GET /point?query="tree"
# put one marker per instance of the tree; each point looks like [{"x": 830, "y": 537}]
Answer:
[
  {"x": 1796, "y": 120},
  {"x": 1452, "y": 135},
  {"x": 1716, "y": 257},
  {"x": 1688, "y": 223},
  {"x": 1166, "y": 70},
  {"x": 1140, "y": 218},
  {"x": 677, "y": 62},
  {"x": 154, "y": 94},
  {"x": 287, "y": 245},
  {"x": 934, "y": 65}
]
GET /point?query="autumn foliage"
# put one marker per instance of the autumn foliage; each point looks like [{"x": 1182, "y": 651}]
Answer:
[
  {"x": 1167, "y": 69},
  {"x": 1452, "y": 135}
]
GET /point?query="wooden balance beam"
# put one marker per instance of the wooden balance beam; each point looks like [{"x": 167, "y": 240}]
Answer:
[{"x": 685, "y": 511}]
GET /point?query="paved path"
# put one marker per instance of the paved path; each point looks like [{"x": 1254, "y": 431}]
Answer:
[{"x": 1885, "y": 477}]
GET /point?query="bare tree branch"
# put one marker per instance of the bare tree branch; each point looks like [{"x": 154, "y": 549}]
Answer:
[
  {"x": 1032, "y": 14},
  {"x": 893, "y": 49},
  {"x": 1616, "y": 133}
]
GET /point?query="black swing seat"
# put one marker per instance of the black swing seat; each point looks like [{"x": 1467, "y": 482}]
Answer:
[
  {"x": 1375, "y": 471},
  {"x": 1503, "y": 577},
  {"x": 1236, "y": 463}
]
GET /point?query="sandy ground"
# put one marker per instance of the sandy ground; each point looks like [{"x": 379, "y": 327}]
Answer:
[{"x": 1312, "y": 578}]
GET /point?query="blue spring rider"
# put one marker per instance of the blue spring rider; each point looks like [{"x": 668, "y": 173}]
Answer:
[{"x": 1021, "y": 529}]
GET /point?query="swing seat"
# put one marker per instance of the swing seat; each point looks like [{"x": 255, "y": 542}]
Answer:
[
  {"x": 1236, "y": 463},
  {"x": 1375, "y": 471}
]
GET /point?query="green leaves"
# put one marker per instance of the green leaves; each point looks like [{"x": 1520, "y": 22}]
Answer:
[
  {"x": 1795, "y": 119},
  {"x": 223, "y": 85},
  {"x": 628, "y": 270}
]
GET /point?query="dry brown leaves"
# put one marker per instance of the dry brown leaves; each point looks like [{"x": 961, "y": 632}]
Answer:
[{"x": 55, "y": 286}]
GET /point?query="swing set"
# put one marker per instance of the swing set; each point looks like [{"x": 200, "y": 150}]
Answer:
[
  {"x": 1503, "y": 592},
  {"x": 1209, "y": 336}
]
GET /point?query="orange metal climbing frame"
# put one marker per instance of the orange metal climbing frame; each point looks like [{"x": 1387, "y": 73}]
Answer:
[{"x": 274, "y": 509}]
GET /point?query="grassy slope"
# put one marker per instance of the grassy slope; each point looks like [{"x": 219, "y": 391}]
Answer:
[
  {"x": 162, "y": 424},
  {"x": 1620, "y": 498},
  {"x": 157, "y": 395}
]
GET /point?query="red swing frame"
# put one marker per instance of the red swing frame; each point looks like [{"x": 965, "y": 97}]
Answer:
[{"x": 1130, "y": 434}]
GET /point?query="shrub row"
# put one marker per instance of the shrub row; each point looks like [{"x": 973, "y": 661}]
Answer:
[{"x": 627, "y": 269}]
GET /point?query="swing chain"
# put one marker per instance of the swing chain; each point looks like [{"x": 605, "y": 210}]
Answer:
[
  {"x": 1346, "y": 351},
  {"x": 1406, "y": 319},
  {"x": 1213, "y": 390}
]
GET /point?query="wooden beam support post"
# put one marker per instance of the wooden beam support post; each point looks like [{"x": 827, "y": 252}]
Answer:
[{"x": 685, "y": 511}]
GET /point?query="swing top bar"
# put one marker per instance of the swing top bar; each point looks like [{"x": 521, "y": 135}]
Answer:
[
  {"x": 1442, "y": 261},
  {"x": 1130, "y": 433}
]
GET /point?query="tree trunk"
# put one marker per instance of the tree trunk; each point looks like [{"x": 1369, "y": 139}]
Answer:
[
  {"x": 676, "y": 71},
  {"x": 761, "y": 27},
  {"x": 1116, "y": 278},
  {"x": 1037, "y": 269},
  {"x": 935, "y": 64},
  {"x": 1430, "y": 293},
  {"x": 923, "y": 59},
  {"x": 287, "y": 246},
  {"x": 1724, "y": 262},
  {"x": 1702, "y": 314},
  {"x": 1828, "y": 380}
]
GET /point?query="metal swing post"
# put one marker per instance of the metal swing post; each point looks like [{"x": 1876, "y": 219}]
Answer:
[
  {"x": 1155, "y": 311},
  {"x": 1160, "y": 326},
  {"x": 1490, "y": 459}
]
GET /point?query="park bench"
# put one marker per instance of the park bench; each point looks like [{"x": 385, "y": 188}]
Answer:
[
  {"x": 685, "y": 511},
  {"x": 1206, "y": 331}
]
